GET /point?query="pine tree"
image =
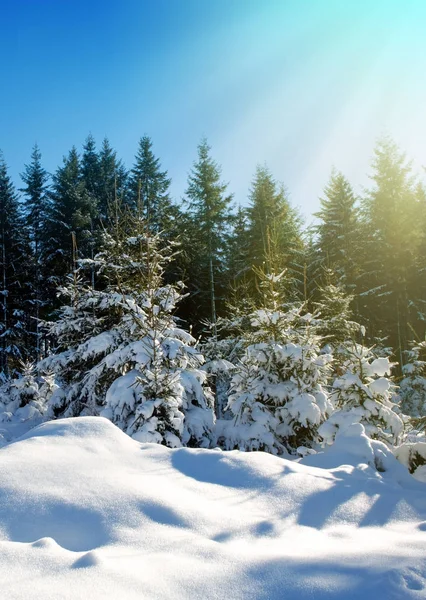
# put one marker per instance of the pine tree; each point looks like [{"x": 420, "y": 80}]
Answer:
[
  {"x": 209, "y": 216},
  {"x": 389, "y": 273},
  {"x": 338, "y": 231},
  {"x": 277, "y": 395},
  {"x": 36, "y": 208},
  {"x": 275, "y": 240},
  {"x": 150, "y": 186},
  {"x": 14, "y": 259},
  {"x": 72, "y": 211},
  {"x": 237, "y": 252},
  {"x": 113, "y": 177},
  {"x": 120, "y": 351},
  {"x": 91, "y": 169},
  {"x": 335, "y": 322},
  {"x": 363, "y": 394},
  {"x": 413, "y": 384}
]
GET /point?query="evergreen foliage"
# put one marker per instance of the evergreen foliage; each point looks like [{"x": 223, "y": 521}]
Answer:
[
  {"x": 335, "y": 314},
  {"x": 238, "y": 257},
  {"x": 389, "y": 266},
  {"x": 21, "y": 397},
  {"x": 117, "y": 345},
  {"x": 209, "y": 219},
  {"x": 338, "y": 231},
  {"x": 413, "y": 384},
  {"x": 91, "y": 169},
  {"x": 277, "y": 394},
  {"x": 149, "y": 185},
  {"x": 120, "y": 350},
  {"x": 70, "y": 219},
  {"x": 275, "y": 240},
  {"x": 363, "y": 394},
  {"x": 36, "y": 209},
  {"x": 113, "y": 180},
  {"x": 14, "y": 289}
]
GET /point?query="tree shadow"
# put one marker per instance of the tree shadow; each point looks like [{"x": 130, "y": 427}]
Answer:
[
  {"x": 218, "y": 468},
  {"x": 386, "y": 500},
  {"x": 72, "y": 527}
]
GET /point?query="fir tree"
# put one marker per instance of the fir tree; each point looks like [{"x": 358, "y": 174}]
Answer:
[
  {"x": 277, "y": 395},
  {"x": 36, "y": 208},
  {"x": 119, "y": 349},
  {"x": 413, "y": 384},
  {"x": 72, "y": 211},
  {"x": 14, "y": 260},
  {"x": 91, "y": 169},
  {"x": 208, "y": 208},
  {"x": 150, "y": 186},
  {"x": 389, "y": 272},
  {"x": 363, "y": 394},
  {"x": 275, "y": 241},
  {"x": 338, "y": 231},
  {"x": 113, "y": 179}
]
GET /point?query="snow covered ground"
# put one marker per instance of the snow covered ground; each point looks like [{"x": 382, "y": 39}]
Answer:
[{"x": 86, "y": 512}]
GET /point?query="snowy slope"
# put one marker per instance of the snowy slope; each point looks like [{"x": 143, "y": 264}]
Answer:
[{"x": 85, "y": 512}]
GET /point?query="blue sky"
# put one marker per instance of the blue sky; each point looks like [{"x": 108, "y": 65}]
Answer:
[{"x": 302, "y": 85}]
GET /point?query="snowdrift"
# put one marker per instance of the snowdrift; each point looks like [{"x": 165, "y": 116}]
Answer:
[{"x": 86, "y": 512}]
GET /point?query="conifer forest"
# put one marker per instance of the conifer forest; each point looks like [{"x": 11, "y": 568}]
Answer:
[
  {"x": 213, "y": 300},
  {"x": 199, "y": 321}
]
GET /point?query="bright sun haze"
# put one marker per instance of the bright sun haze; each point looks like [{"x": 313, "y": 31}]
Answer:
[{"x": 300, "y": 85}]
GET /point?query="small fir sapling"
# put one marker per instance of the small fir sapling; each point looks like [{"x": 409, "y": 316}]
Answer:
[
  {"x": 362, "y": 393},
  {"x": 413, "y": 384},
  {"x": 278, "y": 398},
  {"x": 21, "y": 398}
]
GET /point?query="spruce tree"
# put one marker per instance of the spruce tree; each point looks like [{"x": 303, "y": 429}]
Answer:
[
  {"x": 36, "y": 209},
  {"x": 209, "y": 219},
  {"x": 391, "y": 237},
  {"x": 338, "y": 231},
  {"x": 71, "y": 215},
  {"x": 362, "y": 393},
  {"x": 418, "y": 294},
  {"x": 275, "y": 240},
  {"x": 113, "y": 178},
  {"x": 150, "y": 185},
  {"x": 278, "y": 396},
  {"x": 413, "y": 384},
  {"x": 237, "y": 252},
  {"x": 119, "y": 350},
  {"x": 335, "y": 314},
  {"x": 14, "y": 261},
  {"x": 91, "y": 168}
]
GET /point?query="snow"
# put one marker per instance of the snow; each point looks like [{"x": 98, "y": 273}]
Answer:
[
  {"x": 87, "y": 512},
  {"x": 380, "y": 367}
]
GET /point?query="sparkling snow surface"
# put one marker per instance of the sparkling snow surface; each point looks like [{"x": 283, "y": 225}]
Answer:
[{"x": 88, "y": 513}]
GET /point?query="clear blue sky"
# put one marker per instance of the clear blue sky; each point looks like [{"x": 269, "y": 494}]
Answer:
[{"x": 299, "y": 84}]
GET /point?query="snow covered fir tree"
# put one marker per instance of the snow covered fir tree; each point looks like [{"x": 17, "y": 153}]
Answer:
[
  {"x": 140, "y": 369},
  {"x": 197, "y": 324},
  {"x": 277, "y": 393},
  {"x": 413, "y": 383}
]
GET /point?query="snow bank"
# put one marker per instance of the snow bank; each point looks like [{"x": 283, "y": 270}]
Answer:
[{"x": 86, "y": 512}]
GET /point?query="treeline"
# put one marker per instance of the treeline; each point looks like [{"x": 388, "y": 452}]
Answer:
[{"x": 371, "y": 249}]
